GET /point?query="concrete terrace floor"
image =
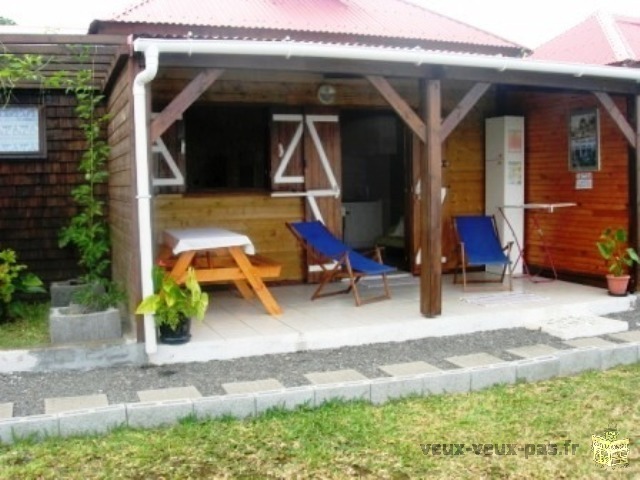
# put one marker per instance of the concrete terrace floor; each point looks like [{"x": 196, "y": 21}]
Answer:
[{"x": 234, "y": 327}]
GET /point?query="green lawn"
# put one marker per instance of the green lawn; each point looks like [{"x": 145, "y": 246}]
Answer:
[
  {"x": 362, "y": 441},
  {"x": 30, "y": 331}
]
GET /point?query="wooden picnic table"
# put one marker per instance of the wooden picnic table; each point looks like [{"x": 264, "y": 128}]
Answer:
[{"x": 220, "y": 256}]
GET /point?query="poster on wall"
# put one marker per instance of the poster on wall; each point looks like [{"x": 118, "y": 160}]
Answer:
[
  {"x": 584, "y": 141},
  {"x": 21, "y": 131}
]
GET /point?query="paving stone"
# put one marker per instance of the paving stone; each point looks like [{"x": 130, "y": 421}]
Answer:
[
  {"x": 158, "y": 414},
  {"x": 345, "y": 391},
  {"x": 236, "y": 406},
  {"x": 384, "y": 389},
  {"x": 589, "y": 342},
  {"x": 474, "y": 360},
  {"x": 631, "y": 336},
  {"x": 409, "y": 368},
  {"x": 176, "y": 393},
  {"x": 335, "y": 376},
  {"x": 6, "y": 410},
  {"x": 583, "y": 326},
  {"x": 532, "y": 351},
  {"x": 93, "y": 421},
  {"x": 447, "y": 381},
  {"x": 495, "y": 374},
  {"x": 68, "y": 404},
  {"x": 537, "y": 369},
  {"x": 256, "y": 386},
  {"x": 288, "y": 399}
]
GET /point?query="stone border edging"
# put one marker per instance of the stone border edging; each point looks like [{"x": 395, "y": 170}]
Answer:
[{"x": 377, "y": 391}]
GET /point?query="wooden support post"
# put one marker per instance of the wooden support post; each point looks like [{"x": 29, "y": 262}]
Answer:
[
  {"x": 634, "y": 187},
  {"x": 431, "y": 218}
]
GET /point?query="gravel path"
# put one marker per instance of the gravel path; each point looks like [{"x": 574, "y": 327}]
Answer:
[{"x": 27, "y": 391}]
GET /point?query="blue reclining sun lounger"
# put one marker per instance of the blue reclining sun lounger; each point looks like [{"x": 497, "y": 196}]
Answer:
[
  {"x": 338, "y": 261},
  {"x": 480, "y": 245}
]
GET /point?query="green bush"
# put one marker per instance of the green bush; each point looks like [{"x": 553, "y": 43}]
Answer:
[{"x": 14, "y": 281}]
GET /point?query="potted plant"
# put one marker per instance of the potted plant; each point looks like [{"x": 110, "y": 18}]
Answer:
[
  {"x": 618, "y": 256},
  {"x": 174, "y": 305}
]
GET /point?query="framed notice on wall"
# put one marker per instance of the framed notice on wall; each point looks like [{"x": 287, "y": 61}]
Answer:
[
  {"x": 22, "y": 132},
  {"x": 584, "y": 141}
]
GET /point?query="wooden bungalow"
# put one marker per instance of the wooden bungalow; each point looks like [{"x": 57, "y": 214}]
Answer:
[{"x": 257, "y": 113}]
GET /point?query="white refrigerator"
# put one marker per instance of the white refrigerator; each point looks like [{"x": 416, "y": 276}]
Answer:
[{"x": 504, "y": 181}]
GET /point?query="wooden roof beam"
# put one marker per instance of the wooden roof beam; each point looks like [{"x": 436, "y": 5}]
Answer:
[
  {"x": 402, "y": 108},
  {"x": 185, "y": 98},
  {"x": 617, "y": 116},
  {"x": 461, "y": 110}
]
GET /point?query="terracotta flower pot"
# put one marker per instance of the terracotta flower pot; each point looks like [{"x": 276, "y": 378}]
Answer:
[{"x": 618, "y": 285}]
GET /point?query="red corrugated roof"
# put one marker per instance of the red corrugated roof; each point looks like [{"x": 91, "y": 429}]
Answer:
[
  {"x": 601, "y": 39},
  {"x": 376, "y": 18}
]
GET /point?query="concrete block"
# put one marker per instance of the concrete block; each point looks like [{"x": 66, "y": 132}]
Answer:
[
  {"x": 384, "y": 389},
  {"x": 62, "y": 292},
  {"x": 65, "y": 326},
  {"x": 620, "y": 354},
  {"x": 288, "y": 399},
  {"x": 343, "y": 391},
  {"x": 236, "y": 406},
  {"x": 447, "y": 381},
  {"x": 157, "y": 414},
  {"x": 496, "y": 374},
  {"x": 37, "y": 427},
  {"x": 578, "y": 360},
  {"x": 92, "y": 421},
  {"x": 538, "y": 368}
]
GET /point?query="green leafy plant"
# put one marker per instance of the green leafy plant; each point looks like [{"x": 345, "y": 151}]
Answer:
[
  {"x": 14, "y": 280},
  {"x": 96, "y": 297},
  {"x": 613, "y": 247},
  {"x": 88, "y": 230},
  {"x": 172, "y": 302}
]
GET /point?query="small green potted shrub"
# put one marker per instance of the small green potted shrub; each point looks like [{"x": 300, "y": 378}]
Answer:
[
  {"x": 619, "y": 257},
  {"x": 174, "y": 305}
]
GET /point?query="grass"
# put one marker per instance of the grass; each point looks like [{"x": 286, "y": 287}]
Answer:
[
  {"x": 358, "y": 440},
  {"x": 31, "y": 330}
]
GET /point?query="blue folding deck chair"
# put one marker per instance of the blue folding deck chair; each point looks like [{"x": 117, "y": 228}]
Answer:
[
  {"x": 480, "y": 245},
  {"x": 339, "y": 261}
]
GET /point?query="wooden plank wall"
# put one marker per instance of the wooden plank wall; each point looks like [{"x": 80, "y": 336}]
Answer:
[
  {"x": 571, "y": 232},
  {"x": 35, "y": 194},
  {"x": 463, "y": 168},
  {"x": 258, "y": 215},
  {"x": 123, "y": 216}
]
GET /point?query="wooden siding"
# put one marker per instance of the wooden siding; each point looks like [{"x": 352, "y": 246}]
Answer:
[
  {"x": 259, "y": 216},
  {"x": 571, "y": 233},
  {"x": 123, "y": 216},
  {"x": 35, "y": 194}
]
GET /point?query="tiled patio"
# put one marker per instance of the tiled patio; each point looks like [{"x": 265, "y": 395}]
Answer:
[{"x": 236, "y": 328}]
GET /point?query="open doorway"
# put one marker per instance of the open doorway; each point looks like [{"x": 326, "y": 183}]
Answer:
[{"x": 374, "y": 182}]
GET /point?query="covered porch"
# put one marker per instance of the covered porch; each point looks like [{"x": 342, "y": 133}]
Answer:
[{"x": 234, "y": 327}]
